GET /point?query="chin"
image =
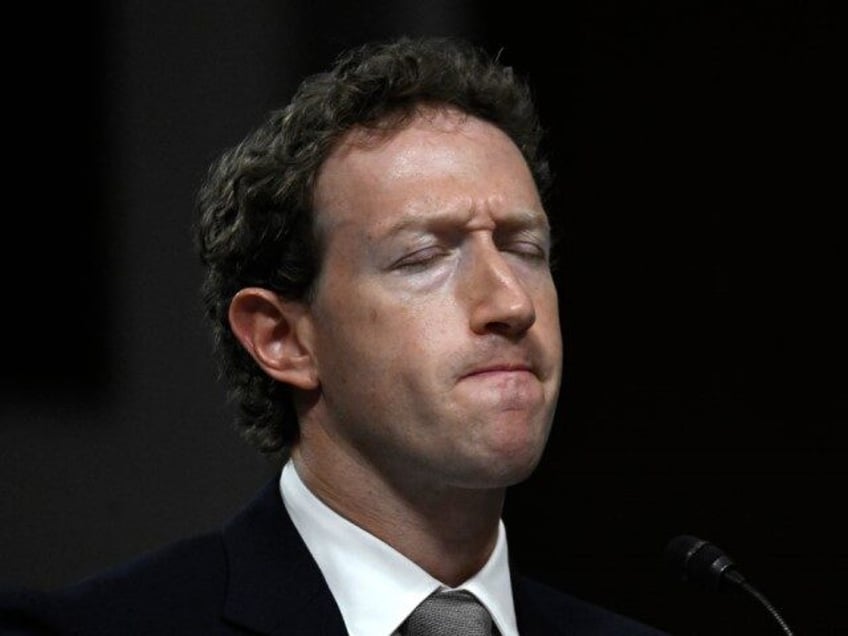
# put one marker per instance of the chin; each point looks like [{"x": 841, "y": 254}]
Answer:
[
  {"x": 519, "y": 440},
  {"x": 519, "y": 471},
  {"x": 490, "y": 479},
  {"x": 506, "y": 466}
]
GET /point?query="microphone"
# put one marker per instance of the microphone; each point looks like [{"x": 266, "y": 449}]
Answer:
[{"x": 705, "y": 565}]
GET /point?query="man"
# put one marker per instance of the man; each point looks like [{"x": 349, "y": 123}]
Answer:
[{"x": 379, "y": 285}]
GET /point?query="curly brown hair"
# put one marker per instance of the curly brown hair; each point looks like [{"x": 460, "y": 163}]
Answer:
[{"x": 255, "y": 224}]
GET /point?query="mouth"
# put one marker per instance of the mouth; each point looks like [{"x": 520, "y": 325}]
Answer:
[{"x": 498, "y": 369}]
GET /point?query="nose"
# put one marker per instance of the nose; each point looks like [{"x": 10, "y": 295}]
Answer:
[{"x": 499, "y": 299}]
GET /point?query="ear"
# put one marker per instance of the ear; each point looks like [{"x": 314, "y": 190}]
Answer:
[{"x": 276, "y": 333}]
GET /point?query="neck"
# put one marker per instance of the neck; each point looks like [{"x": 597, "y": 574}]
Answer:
[{"x": 448, "y": 531}]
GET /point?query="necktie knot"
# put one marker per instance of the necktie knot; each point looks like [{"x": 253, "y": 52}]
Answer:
[{"x": 456, "y": 613}]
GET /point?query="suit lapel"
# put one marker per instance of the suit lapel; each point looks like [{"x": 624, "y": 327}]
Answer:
[
  {"x": 274, "y": 584},
  {"x": 530, "y": 614},
  {"x": 275, "y": 587}
]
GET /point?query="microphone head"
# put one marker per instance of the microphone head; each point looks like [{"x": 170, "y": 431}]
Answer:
[{"x": 699, "y": 561}]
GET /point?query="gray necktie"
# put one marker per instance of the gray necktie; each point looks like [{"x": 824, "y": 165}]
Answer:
[{"x": 449, "y": 614}]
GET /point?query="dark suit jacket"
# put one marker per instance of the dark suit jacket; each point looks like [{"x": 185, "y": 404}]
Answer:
[{"x": 256, "y": 576}]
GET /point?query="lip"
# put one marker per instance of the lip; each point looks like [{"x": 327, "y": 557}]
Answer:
[{"x": 506, "y": 367}]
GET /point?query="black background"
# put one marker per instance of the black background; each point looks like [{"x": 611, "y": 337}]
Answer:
[{"x": 700, "y": 203}]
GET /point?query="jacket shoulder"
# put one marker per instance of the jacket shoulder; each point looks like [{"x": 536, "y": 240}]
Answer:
[
  {"x": 545, "y": 610},
  {"x": 184, "y": 582}
]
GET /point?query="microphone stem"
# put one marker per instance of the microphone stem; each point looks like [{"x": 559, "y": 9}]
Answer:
[{"x": 765, "y": 602}]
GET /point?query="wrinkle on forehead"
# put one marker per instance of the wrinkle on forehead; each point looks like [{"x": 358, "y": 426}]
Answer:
[
  {"x": 468, "y": 212},
  {"x": 413, "y": 156}
]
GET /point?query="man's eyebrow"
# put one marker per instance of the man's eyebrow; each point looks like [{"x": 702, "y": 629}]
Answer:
[
  {"x": 515, "y": 219},
  {"x": 524, "y": 218}
]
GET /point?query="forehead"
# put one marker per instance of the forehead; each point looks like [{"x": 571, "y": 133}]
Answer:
[{"x": 438, "y": 158}]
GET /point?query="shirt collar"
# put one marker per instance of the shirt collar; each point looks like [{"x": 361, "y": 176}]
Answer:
[{"x": 374, "y": 585}]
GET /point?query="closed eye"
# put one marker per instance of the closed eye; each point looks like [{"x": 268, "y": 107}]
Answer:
[
  {"x": 420, "y": 259},
  {"x": 527, "y": 249}
]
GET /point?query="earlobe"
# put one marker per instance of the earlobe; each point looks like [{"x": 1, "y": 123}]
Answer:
[{"x": 271, "y": 329}]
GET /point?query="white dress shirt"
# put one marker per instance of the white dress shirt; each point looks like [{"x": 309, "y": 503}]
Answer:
[{"x": 374, "y": 585}]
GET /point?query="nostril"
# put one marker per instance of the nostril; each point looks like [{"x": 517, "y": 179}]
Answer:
[{"x": 516, "y": 320}]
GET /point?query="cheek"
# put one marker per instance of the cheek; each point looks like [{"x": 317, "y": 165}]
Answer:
[
  {"x": 547, "y": 306},
  {"x": 369, "y": 338},
  {"x": 549, "y": 323},
  {"x": 385, "y": 331},
  {"x": 409, "y": 352}
]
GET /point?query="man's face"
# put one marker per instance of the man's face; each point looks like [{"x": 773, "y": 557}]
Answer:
[{"x": 435, "y": 320}]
